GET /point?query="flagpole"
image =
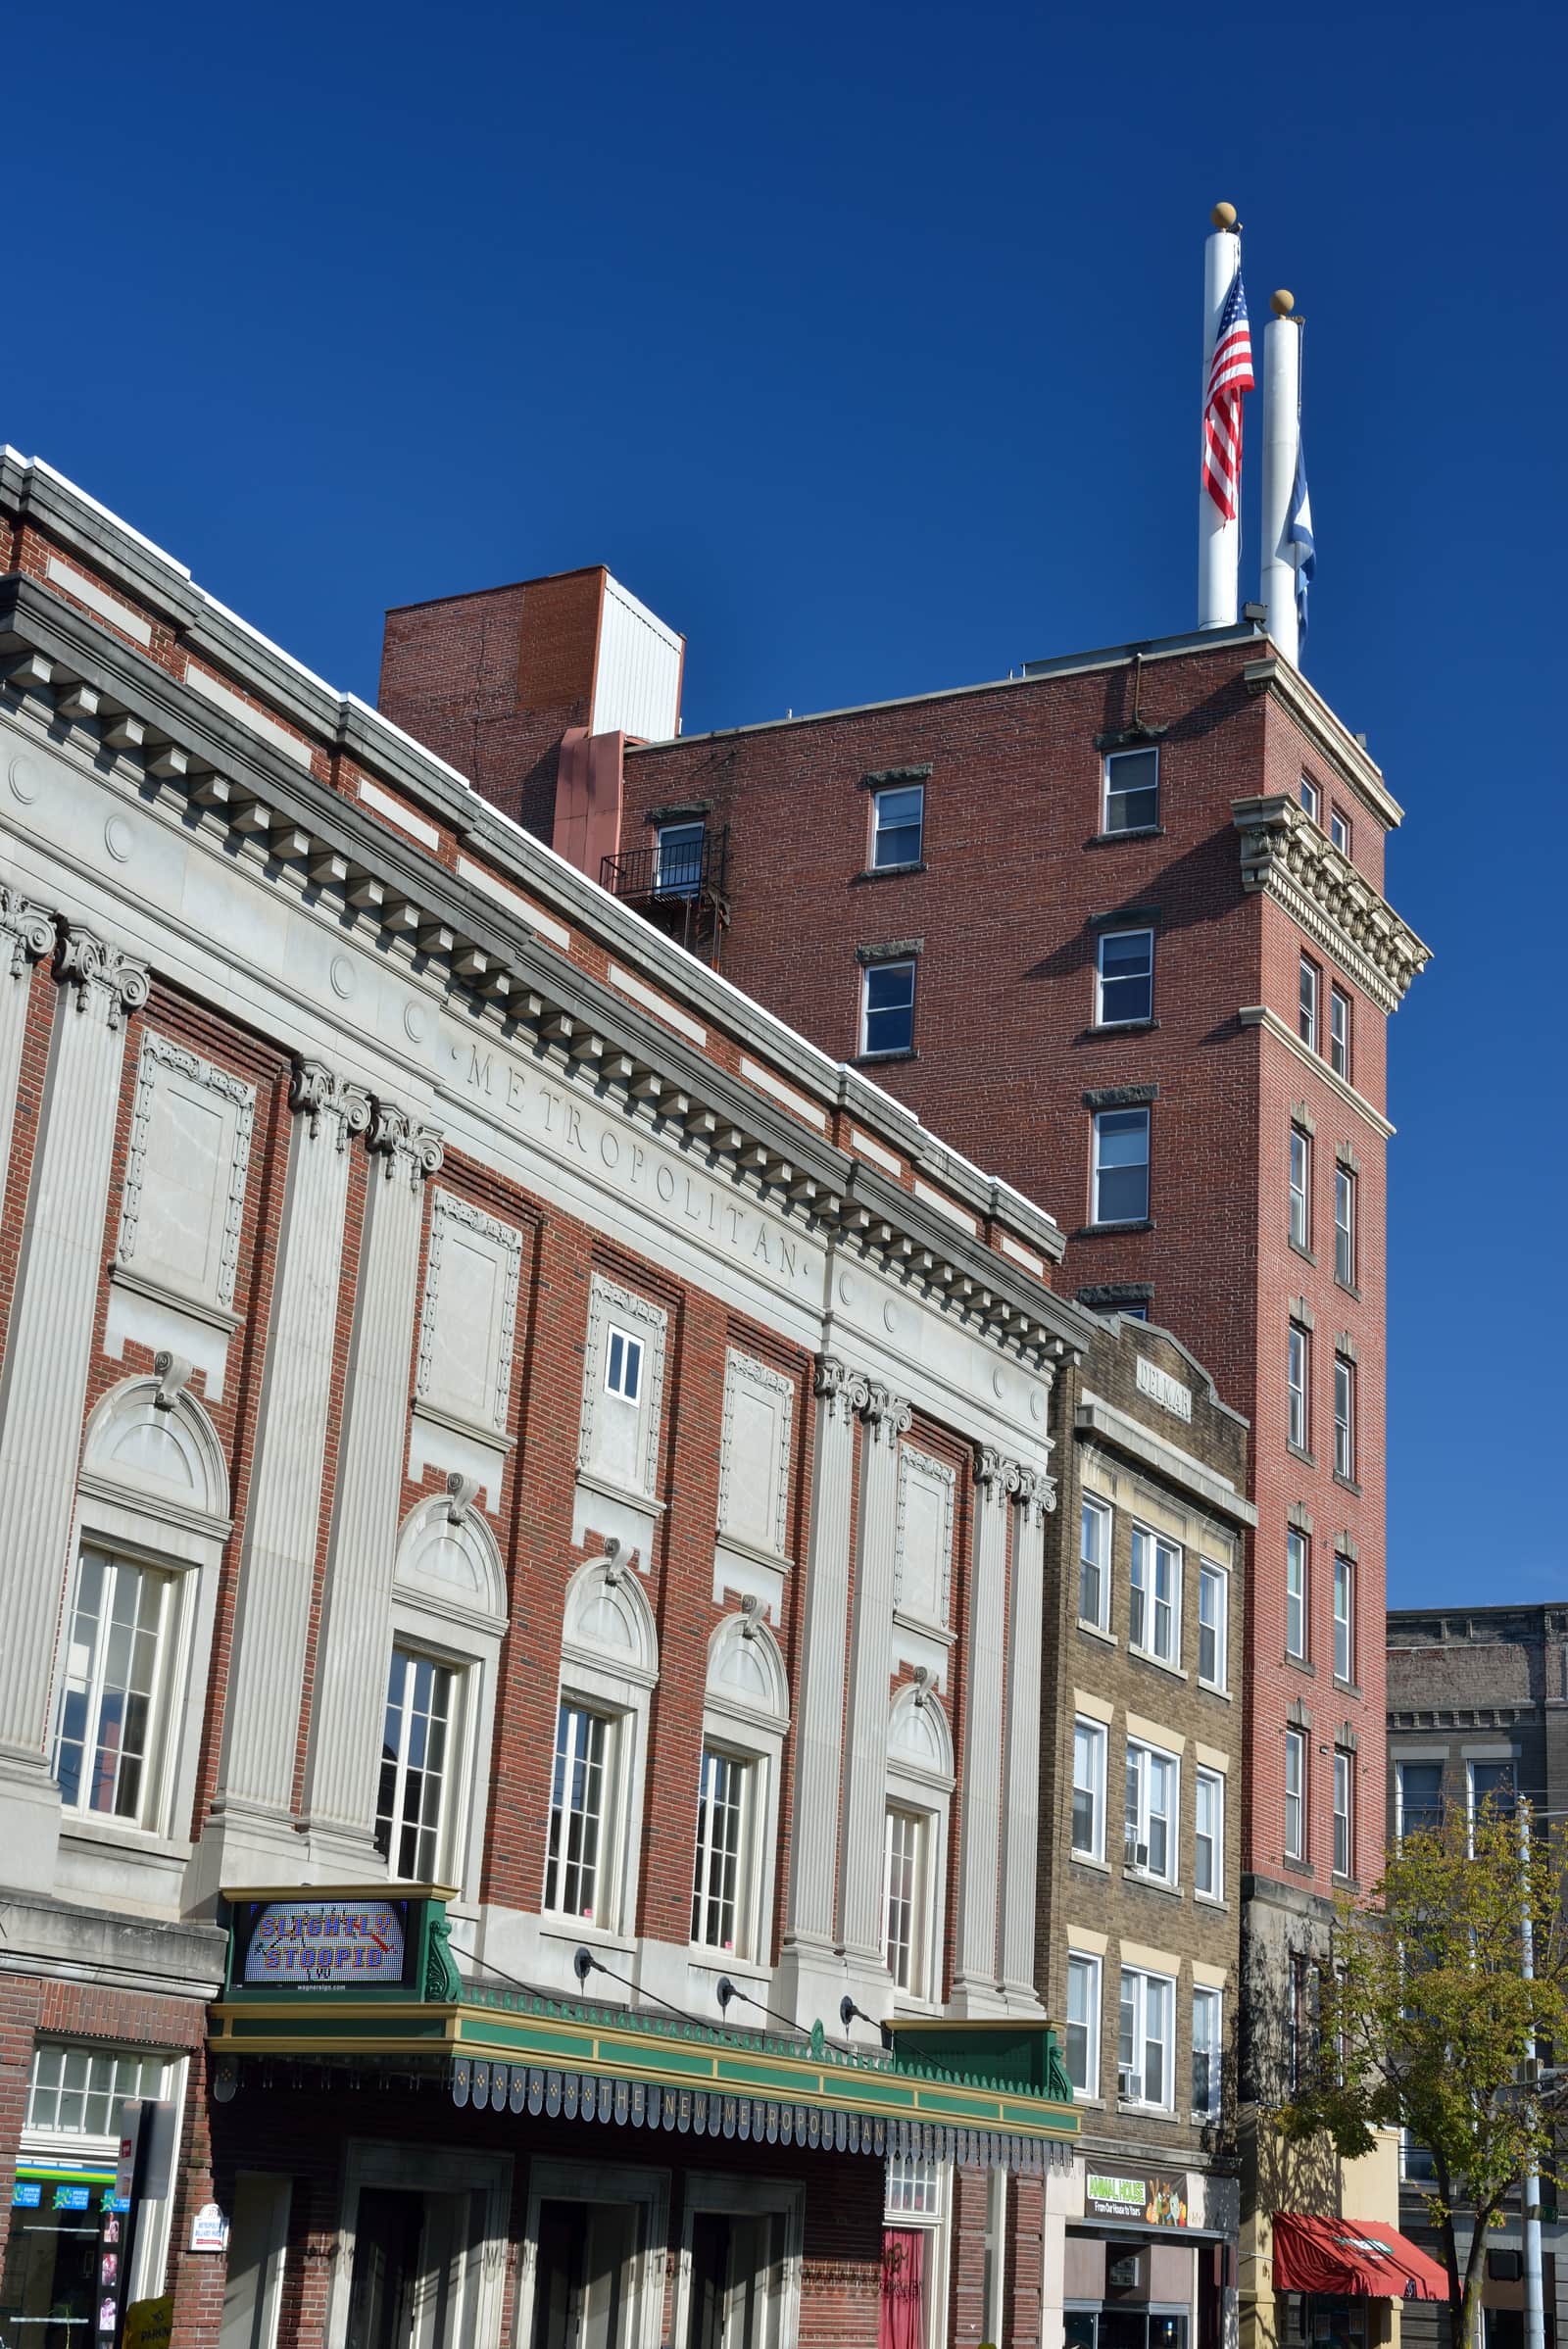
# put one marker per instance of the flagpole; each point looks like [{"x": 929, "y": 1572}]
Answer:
[
  {"x": 1282, "y": 430},
  {"x": 1219, "y": 542}
]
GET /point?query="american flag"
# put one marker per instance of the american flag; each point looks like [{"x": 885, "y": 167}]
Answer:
[{"x": 1230, "y": 373}]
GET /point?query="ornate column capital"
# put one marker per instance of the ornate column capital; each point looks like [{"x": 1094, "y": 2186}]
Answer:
[
  {"x": 315, "y": 1091},
  {"x": 103, "y": 977},
  {"x": 405, "y": 1147},
  {"x": 845, "y": 1391},
  {"x": 996, "y": 1472},
  {"x": 27, "y": 932},
  {"x": 887, "y": 1415},
  {"x": 1035, "y": 1493}
]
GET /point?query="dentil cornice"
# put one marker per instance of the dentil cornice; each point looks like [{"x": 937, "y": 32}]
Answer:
[{"x": 1289, "y": 858}]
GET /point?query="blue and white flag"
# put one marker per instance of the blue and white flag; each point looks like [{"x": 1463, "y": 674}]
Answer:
[{"x": 1298, "y": 543}]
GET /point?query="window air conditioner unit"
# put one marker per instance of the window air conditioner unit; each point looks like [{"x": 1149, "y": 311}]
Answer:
[
  {"x": 1126, "y": 2082},
  {"x": 1139, "y": 1855}
]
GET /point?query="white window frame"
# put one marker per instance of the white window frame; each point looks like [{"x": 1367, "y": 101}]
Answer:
[
  {"x": 745, "y": 1716},
  {"x": 1308, "y": 991},
  {"x": 1212, "y": 2002},
  {"x": 1109, "y": 789},
  {"x": 1296, "y": 1794},
  {"x": 1300, "y": 1189},
  {"x": 1107, "y": 1019},
  {"x": 628, "y": 1385},
  {"x": 1148, "y": 1551},
  {"x": 607, "y": 1906},
  {"x": 1143, "y": 1985},
  {"x": 1103, "y": 1517},
  {"x": 903, "y": 1820},
  {"x": 1299, "y": 1388},
  {"x": 1343, "y": 1813},
  {"x": 887, "y": 1051},
  {"x": 920, "y": 1780},
  {"x": 113, "y": 1565},
  {"x": 1297, "y": 1593},
  {"x": 615, "y": 1678},
  {"x": 1312, "y": 797},
  {"x": 1214, "y": 1577},
  {"x": 1209, "y": 1783},
  {"x": 1345, "y": 1418},
  {"x": 896, "y": 864},
  {"x": 1345, "y": 1206},
  {"x": 1098, "y": 1169},
  {"x": 1341, "y": 832},
  {"x": 1343, "y": 1619},
  {"x": 1487, "y": 1761},
  {"x": 451, "y": 1780},
  {"x": 1339, "y": 1032},
  {"x": 686, "y": 879},
  {"x": 603, "y": 1433},
  {"x": 1096, "y": 1739},
  {"x": 931, "y": 2217},
  {"x": 1401, "y": 1763},
  {"x": 1090, "y": 1970},
  {"x": 1139, "y": 1811}
]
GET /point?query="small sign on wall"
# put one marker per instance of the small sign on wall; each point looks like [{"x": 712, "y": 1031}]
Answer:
[{"x": 208, "y": 2229}]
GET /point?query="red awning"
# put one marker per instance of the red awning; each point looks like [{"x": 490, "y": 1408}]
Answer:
[{"x": 1356, "y": 2256}]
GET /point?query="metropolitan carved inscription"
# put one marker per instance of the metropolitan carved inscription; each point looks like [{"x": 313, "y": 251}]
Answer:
[{"x": 580, "y": 1134}]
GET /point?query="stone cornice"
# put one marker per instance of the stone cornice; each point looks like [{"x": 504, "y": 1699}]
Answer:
[
  {"x": 1288, "y": 856},
  {"x": 186, "y": 758},
  {"x": 1333, "y": 743}
]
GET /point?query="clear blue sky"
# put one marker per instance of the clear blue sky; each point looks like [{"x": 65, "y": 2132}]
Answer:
[{"x": 862, "y": 343}]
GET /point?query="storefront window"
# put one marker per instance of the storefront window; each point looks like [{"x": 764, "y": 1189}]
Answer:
[{"x": 63, "y": 2224}]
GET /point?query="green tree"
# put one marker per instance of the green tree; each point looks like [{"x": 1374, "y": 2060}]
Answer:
[{"x": 1427, "y": 2020}]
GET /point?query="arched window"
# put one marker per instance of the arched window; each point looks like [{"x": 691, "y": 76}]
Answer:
[
  {"x": 914, "y": 1847},
  {"x": 609, "y": 1666},
  {"x": 745, "y": 1716},
  {"x": 152, "y": 1518},
  {"x": 449, "y": 1614}
]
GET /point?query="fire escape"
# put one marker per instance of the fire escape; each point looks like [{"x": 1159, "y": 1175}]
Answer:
[{"x": 678, "y": 883}]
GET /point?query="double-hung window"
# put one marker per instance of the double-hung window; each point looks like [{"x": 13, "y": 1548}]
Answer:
[
  {"x": 1088, "y": 1790},
  {"x": 905, "y": 1847},
  {"x": 1345, "y": 1227},
  {"x": 1306, "y": 1015},
  {"x": 579, "y": 1859},
  {"x": 1082, "y": 2022},
  {"x": 680, "y": 859},
  {"x": 116, "y": 1701},
  {"x": 721, "y": 1879},
  {"x": 1345, "y": 1418},
  {"x": 1296, "y": 1794},
  {"x": 1208, "y": 1835},
  {"x": 1312, "y": 797},
  {"x": 1144, "y": 2041},
  {"x": 1152, "y": 1793},
  {"x": 1213, "y": 1624},
  {"x": 897, "y": 825},
  {"x": 1132, "y": 790},
  {"x": 1344, "y": 1831},
  {"x": 1295, "y": 1585},
  {"x": 1120, "y": 1167},
  {"x": 1340, "y": 829},
  {"x": 1094, "y": 1565},
  {"x": 1344, "y": 1620},
  {"x": 1298, "y": 1387},
  {"x": 1124, "y": 978},
  {"x": 1155, "y": 1619},
  {"x": 1493, "y": 1785},
  {"x": 1207, "y": 2052},
  {"x": 1339, "y": 1032},
  {"x": 887, "y": 1006},
  {"x": 419, "y": 1749},
  {"x": 1300, "y": 1189},
  {"x": 1417, "y": 1797}
]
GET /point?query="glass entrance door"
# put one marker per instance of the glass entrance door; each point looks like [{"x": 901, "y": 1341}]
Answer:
[
  {"x": 415, "y": 2269},
  {"x": 582, "y": 2289},
  {"x": 736, "y": 2296}
]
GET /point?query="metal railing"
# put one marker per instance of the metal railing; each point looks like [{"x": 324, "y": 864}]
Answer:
[{"x": 670, "y": 873}]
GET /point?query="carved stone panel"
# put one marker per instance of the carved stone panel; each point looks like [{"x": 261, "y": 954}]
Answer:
[
  {"x": 754, "y": 1477},
  {"x": 185, "y": 1173},
  {"x": 922, "y": 1579},
  {"x": 618, "y": 1439},
  {"x": 468, "y": 1318}
]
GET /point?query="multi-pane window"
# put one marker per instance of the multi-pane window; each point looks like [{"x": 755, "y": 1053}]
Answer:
[
  {"x": 1088, "y": 1790},
  {"x": 1345, "y": 1227},
  {"x": 1343, "y": 1619},
  {"x": 903, "y": 1869},
  {"x": 1094, "y": 1565},
  {"x": 1301, "y": 1188},
  {"x": 77, "y": 2091},
  {"x": 1082, "y": 2022},
  {"x": 1121, "y": 1166},
  {"x": 1144, "y": 2041},
  {"x": 887, "y": 1008},
  {"x": 1312, "y": 800},
  {"x": 913, "y": 2188},
  {"x": 623, "y": 1364},
  {"x": 1296, "y": 1610},
  {"x": 1418, "y": 1797},
  {"x": 1132, "y": 790},
  {"x": 1298, "y": 1418},
  {"x": 1124, "y": 979},
  {"x": 898, "y": 825},
  {"x": 114, "y": 1704},
  {"x": 578, "y": 1860},
  {"x": 1154, "y": 1618},
  {"x": 1340, "y": 830},
  {"x": 1345, "y": 1418},
  {"x": 1339, "y": 1032},
  {"x": 1295, "y": 1795},
  {"x": 1152, "y": 1780},
  {"x": 416, "y": 1748},
  {"x": 680, "y": 859},
  {"x": 1207, "y": 2054},
  {"x": 1306, "y": 1016},
  {"x": 1343, "y": 1834},
  {"x": 1214, "y": 1624},
  {"x": 724, "y": 1820},
  {"x": 1208, "y": 1835}
]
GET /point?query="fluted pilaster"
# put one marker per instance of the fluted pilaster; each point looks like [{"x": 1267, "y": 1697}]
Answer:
[
  {"x": 1035, "y": 1493},
  {"x": 885, "y": 1417},
  {"x": 985, "y": 1674},
  {"x": 840, "y": 1394},
  {"x": 27, "y": 934}
]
